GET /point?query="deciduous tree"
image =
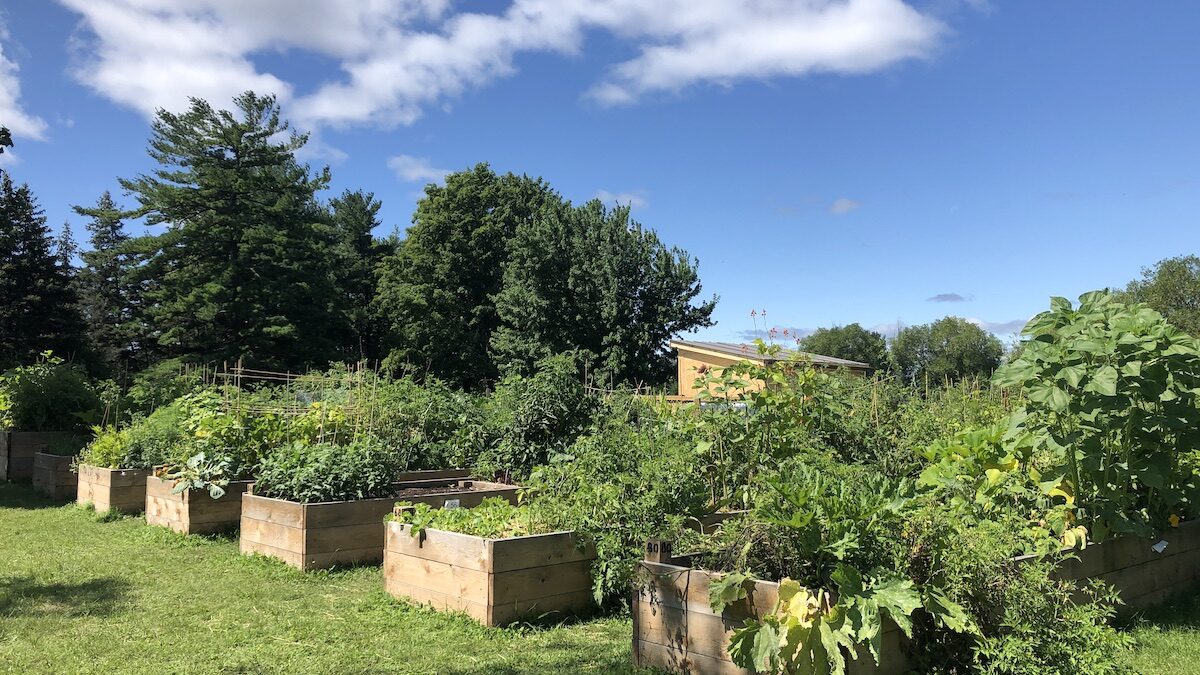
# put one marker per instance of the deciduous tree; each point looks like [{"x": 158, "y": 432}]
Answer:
[
  {"x": 851, "y": 342},
  {"x": 947, "y": 349}
]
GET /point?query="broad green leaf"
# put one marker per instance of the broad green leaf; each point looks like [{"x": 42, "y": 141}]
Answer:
[
  {"x": 726, "y": 590},
  {"x": 1104, "y": 381}
]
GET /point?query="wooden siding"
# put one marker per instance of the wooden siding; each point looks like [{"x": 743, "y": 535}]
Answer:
[
  {"x": 193, "y": 511},
  {"x": 54, "y": 477},
  {"x": 329, "y": 534},
  {"x": 495, "y": 581},
  {"x": 112, "y": 489},
  {"x": 20, "y": 447}
]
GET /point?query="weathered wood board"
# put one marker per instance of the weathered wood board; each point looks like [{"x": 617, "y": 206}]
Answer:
[
  {"x": 675, "y": 630},
  {"x": 19, "y": 447},
  {"x": 330, "y": 534},
  {"x": 54, "y": 477},
  {"x": 112, "y": 489},
  {"x": 495, "y": 581},
  {"x": 194, "y": 511}
]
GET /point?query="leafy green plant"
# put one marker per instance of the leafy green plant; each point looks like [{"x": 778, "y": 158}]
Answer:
[
  {"x": 1112, "y": 397},
  {"x": 48, "y": 395},
  {"x": 200, "y": 472},
  {"x": 108, "y": 449},
  {"x": 325, "y": 473},
  {"x": 493, "y": 518}
]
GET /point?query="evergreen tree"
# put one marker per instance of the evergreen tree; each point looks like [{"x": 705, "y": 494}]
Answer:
[
  {"x": 436, "y": 293},
  {"x": 355, "y": 215},
  {"x": 37, "y": 301},
  {"x": 591, "y": 280},
  {"x": 108, "y": 287},
  {"x": 245, "y": 268}
]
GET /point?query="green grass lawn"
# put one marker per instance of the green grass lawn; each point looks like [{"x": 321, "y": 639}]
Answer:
[{"x": 79, "y": 593}]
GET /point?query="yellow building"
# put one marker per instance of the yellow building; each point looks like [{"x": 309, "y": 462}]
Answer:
[{"x": 700, "y": 358}]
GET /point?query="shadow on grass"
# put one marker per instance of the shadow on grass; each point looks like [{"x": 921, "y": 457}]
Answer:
[
  {"x": 24, "y": 596},
  {"x": 1180, "y": 612},
  {"x": 23, "y": 496}
]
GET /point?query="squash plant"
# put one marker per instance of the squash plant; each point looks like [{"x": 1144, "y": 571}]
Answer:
[
  {"x": 1112, "y": 396},
  {"x": 823, "y": 530}
]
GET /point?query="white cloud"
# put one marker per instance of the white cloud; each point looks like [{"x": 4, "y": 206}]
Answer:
[
  {"x": 415, "y": 169},
  {"x": 634, "y": 200},
  {"x": 12, "y": 113},
  {"x": 399, "y": 57},
  {"x": 843, "y": 205}
]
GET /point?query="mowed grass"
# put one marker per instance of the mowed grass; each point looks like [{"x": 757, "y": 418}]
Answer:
[
  {"x": 1168, "y": 639},
  {"x": 80, "y": 593}
]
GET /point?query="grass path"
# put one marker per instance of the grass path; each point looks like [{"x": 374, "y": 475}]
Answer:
[
  {"x": 85, "y": 594},
  {"x": 81, "y": 595}
]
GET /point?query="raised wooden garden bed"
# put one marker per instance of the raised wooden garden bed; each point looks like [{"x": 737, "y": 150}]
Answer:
[
  {"x": 54, "y": 477},
  {"x": 495, "y": 581},
  {"x": 328, "y": 534},
  {"x": 18, "y": 448},
  {"x": 193, "y": 511},
  {"x": 433, "y": 474},
  {"x": 112, "y": 489},
  {"x": 674, "y": 628}
]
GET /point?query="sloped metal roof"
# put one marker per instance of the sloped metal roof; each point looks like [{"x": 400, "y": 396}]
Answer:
[{"x": 747, "y": 351}]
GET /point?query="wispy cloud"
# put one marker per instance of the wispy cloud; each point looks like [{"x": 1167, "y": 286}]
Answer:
[
  {"x": 634, "y": 200},
  {"x": 13, "y": 115},
  {"x": 403, "y": 57},
  {"x": 843, "y": 205},
  {"x": 950, "y": 297},
  {"x": 415, "y": 169}
]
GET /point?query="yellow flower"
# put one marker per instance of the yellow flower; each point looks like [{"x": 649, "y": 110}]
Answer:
[{"x": 1174, "y": 520}]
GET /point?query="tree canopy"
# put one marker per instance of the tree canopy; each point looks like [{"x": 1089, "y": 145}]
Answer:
[
  {"x": 947, "y": 349},
  {"x": 38, "y": 304},
  {"x": 592, "y": 280},
  {"x": 244, "y": 268},
  {"x": 851, "y": 342},
  {"x": 1171, "y": 286}
]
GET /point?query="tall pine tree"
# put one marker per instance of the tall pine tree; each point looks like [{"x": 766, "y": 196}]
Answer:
[
  {"x": 245, "y": 268},
  {"x": 37, "y": 301},
  {"x": 108, "y": 289},
  {"x": 355, "y": 215}
]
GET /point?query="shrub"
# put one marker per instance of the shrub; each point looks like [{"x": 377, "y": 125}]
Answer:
[
  {"x": 324, "y": 472},
  {"x": 147, "y": 442},
  {"x": 531, "y": 418},
  {"x": 628, "y": 479},
  {"x": 430, "y": 425},
  {"x": 48, "y": 395}
]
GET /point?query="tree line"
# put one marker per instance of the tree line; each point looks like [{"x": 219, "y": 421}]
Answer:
[
  {"x": 243, "y": 260},
  {"x": 952, "y": 348}
]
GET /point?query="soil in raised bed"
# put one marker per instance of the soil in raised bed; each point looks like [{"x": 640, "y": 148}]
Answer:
[{"x": 410, "y": 491}]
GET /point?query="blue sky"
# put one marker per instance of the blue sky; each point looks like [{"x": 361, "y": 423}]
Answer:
[{"x": 830, "y": 162}]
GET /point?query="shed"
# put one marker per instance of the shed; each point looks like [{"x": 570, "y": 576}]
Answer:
[{"x": 698, "y": 358}]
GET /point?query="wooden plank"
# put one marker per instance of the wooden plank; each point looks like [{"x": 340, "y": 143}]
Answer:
[
  {"x": 458, "y": 582},
  {"x": 342, "y": 558},
  {"x": 664, "y": 657},
  {"x": 251, "y": 547},
  {"x": 566, "y": 603},
  {"x": 432, "y": 474},
  {"x": 357, "y": 512},
  {"x": 532, "y": 583},
  {"x": 441, "y": 601},
  {"x": 52, "y": 476},
  {"x": 515, "y": 553},
  {"x": 275, "y": 535},
  {"x": 290, "y": 514},
  {"x": 345, "y": 537},
  {"x": 452, "y": 548}
]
